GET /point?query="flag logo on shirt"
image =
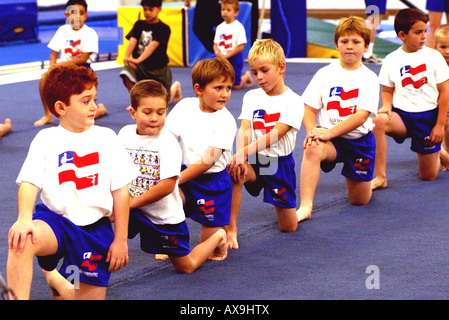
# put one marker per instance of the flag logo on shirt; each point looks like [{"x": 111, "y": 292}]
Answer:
[
  {"x": 409, "y": 70},
  {"x": 225, "y": 41},
  {"x": 343, "y": 95},
  {"x": 264, "y": 121},
  {"x": 74, "y": 51},
  {"x": 70, "y": 157}
]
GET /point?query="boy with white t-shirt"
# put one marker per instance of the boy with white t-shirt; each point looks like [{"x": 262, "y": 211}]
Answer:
[
  {"x": 415, "y": 95},
  {"x": 156, "y": 206},
  {"x": 230, "y": 41},
  {"x": 76, "y": 43},
  {"x": 82, "y": 173},
  {"x": 270, "y": 120},
  {"x": 341, "y": 102},
  {"x": 206, "y": 130}
]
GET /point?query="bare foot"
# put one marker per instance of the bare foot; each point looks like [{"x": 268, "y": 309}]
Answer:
[
  {"x": 444, "y": 159},
  {"x": 232, "y": 240},
  {"x": 378, "y": 183},
  {"x": 46, "y": 119},
  {"x": 161, "y": 257},
  {"x": 6, "y": 127},
  {"x": 175, "y": 92},
  {"x": 101, "y": 111},
  {"x": 249, "y": 82},
  {"x": 304, "y": 214},
  {"x": 221, "y": 252}
]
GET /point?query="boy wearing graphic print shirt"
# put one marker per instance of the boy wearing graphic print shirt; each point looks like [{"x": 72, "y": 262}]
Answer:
[
  {"x": 415, "y": 95},
  {"x": 341, "y": 101}
]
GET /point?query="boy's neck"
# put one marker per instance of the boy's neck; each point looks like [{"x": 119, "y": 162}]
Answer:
[
  {"x": 351, "y": 67},
  {"x": 230, "y": 21}
]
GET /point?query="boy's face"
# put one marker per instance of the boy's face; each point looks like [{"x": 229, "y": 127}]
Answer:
[
  {"x": 443, "y": 47},
  {"x": 415, "y": 39},
  {"x": 351, "y": 47},
  {"x": 228, "y": 13},
  {"x": 150, "y": 115},
  {"x": 214, "y": 95},
  {"x": 76, "y": 15},
  {"x": 268, "y": 76},
  {"x": 79, "y": 115},
  {"x": 151, "y": 13}
]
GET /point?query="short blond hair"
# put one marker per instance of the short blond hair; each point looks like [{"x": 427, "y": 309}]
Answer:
[
  {"x": 352, "y": 24},
  {"x": 234, "y": 3},
  {"x": 267, "y": 50},
  {"x": 441, "y": 32}
]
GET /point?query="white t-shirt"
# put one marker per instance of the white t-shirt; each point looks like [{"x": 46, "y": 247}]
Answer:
[
  {"x": 338, "y": 93},
  {"x": 229, "y": 36},
  {"x": 198, "y": 130},
  {"x": 415, "y": 77},
  {"x": 77, "y": 172},
  {"x": 157, "y": 158},
  {"x": 265, "y": 111},
  {"x": 71, "y": 44}
]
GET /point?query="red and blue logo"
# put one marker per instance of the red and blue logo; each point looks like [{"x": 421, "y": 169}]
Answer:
[
  {"x": 343, "y": 96},
  {"x": 70, "y": 157},
  {"x": 409, "y": 70}
]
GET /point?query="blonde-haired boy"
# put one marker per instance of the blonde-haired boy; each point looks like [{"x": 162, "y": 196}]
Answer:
[
  {"x": 341, "y": 101},
  {"x": 270, "y": 119}
]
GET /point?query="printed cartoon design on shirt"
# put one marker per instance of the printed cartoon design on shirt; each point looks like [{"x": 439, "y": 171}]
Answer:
[
  {"x": 207, "y": 208},
  {"x": 73, "y": 48},
  {"x": 263, "y": 122},
  {"x": 340, "y": 104},
  {"x": 145, "y": 39},
  {"x": 225, "y": 41},
  {"x": 149, "y": 168},
  {"x": 71, "y": 158},
  {"x": 409, "y": 71}
]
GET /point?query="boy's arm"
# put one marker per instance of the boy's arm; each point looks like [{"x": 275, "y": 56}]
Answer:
[
  {"x": 437, "y": 134},
  {"x": 81, "y": 60},
  {"x": 129, "y": 49},
  {"x": 118, "y": 251},
  {"x": 198, "y": 168},
  {"x": 235, "y": 51},
  {"x": 53, "y": 57},
  {"x": 160, "y": 190},
  {"x": 23, "y": 227},
  {"x": 278, "y": 131},
  {"x": 146, "y": 53},
  {"x": 351, "y": 123},
  {"x": 386, "y": 99}
]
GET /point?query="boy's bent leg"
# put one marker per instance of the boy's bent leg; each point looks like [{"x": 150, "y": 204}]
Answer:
[
  {"x": 382, "y": 127},
  {"x": 288, "y": 220},
  {"x": 429, "y": 166},
  {"x": 310, "y": 175},
  {"x": 359, "y": 192},
  {"x": 20, "y": 264},
  {"x": 90, "y": 292},
  {"x": 214, "y": 248},
  {"x": 237, "y": 187}
]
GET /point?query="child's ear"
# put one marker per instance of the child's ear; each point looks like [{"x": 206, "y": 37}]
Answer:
[
  {"x": 401, "y": 35},
  {"x": 197, "y": 89},
  {"x": 60, "y": 108},
  {"x": 282, "y": 67},
  {"x": 132, "y": 112}
]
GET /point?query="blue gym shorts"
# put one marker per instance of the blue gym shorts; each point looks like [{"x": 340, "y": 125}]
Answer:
[
  {"x": 208, "y": 198},
  {"x": 357, "y": 156},
  {"x": 169, "y": 239},
  {"x": 83, "y": 248},
  {"x": 419, "y": 125},
  {"x": 437, "y": 5},
  {"x": 277, "y": 177}
]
